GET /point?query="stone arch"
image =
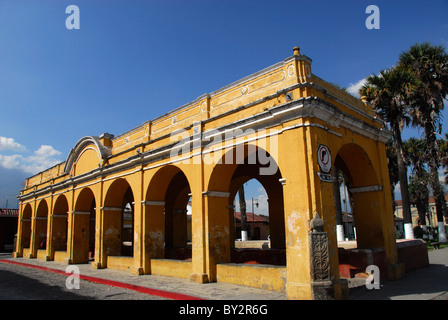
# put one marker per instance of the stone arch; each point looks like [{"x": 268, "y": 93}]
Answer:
[
  {"x": 274, "y": 190},
  {"x": 84, "y": 219},
  {"x": 40, "y": 229},
  {"x": 364, "y": 193},
  {"x": 168, "y": 226},
  {"x": 60, "y": 224},
  {"x": 117, "y": 216},
  {"x": 224, "y": 182},
  {"x": 26, "y": 225}
]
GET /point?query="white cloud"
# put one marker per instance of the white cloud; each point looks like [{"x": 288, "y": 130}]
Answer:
[
  {"x": 41, "y": 159},
  {"x": 10, "y": 144},
  {"x": 354, "y": 88},
  {"x": 263, "y": 205},
  {"x": 10, "y": 162}
]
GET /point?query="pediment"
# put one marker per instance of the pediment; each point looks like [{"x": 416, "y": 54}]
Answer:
[{"x": 86, "y": 155}]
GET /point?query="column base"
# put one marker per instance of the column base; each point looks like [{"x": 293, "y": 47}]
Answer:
[
  {"x": 318, "y": 290},
  {"x": 323, "y": 290},
  {"x": 299, "y": 291},
  {"x": 396, "y": 271},
  {"x": 341, "y": 290},
  {"x": 136, "y": 271},
  {"x": 199, "y": 278},
  {"x": 329, "y": 290},
  {"x": 96, "y": 265}
]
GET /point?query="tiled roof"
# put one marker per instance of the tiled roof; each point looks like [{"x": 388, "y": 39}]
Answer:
[
  {"x": 250, "y": 217},
  {"x": 9, "y": 212}
]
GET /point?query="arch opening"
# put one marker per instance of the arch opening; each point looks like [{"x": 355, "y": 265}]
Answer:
[
  {"x": 118, "y": 220},
  {"x": 84, "y": 222},
  {"x": 360, "y": 208},
  {"x": 26, "y": 226},
  {"x": 60, "y": 224},
  {"x": 168, "y": 214},
  {"x": 41, "y": 220},
  {"x": 265, "y": 243}
]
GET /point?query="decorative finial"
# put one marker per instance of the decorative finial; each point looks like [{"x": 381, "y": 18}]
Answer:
[
  {"x": 296, "y": 51},
  {"x": 317, "y": 224}
]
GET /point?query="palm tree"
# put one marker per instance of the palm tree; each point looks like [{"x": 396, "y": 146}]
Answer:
[
  {"x": 443, "y": 143},
  {"x": 389, "y": 94},
  {"x": 430, "y": 65},
  {"x": 414, "y": 150},
  {"x": 393, "y": 170},
  {"x": 444, "y": 155}
]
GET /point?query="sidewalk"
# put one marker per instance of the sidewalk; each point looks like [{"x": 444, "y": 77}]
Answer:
[
  {"x": 167, "y": 287},
  {"x": 430, "y": 283}
]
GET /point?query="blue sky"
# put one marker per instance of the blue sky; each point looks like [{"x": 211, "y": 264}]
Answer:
[{"x": 132, "y": 61}]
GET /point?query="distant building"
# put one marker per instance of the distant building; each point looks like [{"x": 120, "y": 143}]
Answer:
[
  {"x": 431, "y": 216},
  {"x": 257, "y": 226},
  {"x": 8, "y": 228}
]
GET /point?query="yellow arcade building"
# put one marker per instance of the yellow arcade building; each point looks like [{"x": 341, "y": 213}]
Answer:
[{"x": 120, "y": 201}]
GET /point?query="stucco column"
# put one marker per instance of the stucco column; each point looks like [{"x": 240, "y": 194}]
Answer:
[
  {"x": 308, "y": 193},
  {"x": 395, "y": 269},
  {"x": 33, "y": 242},
  {"x": 99, "y": 218},
  {"x": 293, "y": 164},
  {"x": 213, "y": 228},
  {"x": 49, "y": 238},
  {"x": 110, "y": 243},
  {"x": 18, "y": 250},
  {"x": 154, "y": 232},
  {"x": 217, "y": 229},
  {"x": 199, "y": 239},
  {"x": 79, "y": 237},
  {"x": 199, "y": 212},
  {"x": 137, "y": 236}
]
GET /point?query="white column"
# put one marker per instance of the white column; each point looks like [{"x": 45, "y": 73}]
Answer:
[
  {"x": 408, "y": 231},
  {"x": 442, "y": 233},
  {"x": 340, "y": 232}
]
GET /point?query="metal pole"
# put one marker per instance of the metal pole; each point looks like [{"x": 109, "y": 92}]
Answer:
[{"x": 253, "y": 218}]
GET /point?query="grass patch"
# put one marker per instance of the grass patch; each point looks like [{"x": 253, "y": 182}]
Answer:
[{"x": 431, "y": 247}]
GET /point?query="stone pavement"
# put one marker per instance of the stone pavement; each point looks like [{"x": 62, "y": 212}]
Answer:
[
  {"x": 207, "y": 291},
  {"x": 430, "y": 283}
]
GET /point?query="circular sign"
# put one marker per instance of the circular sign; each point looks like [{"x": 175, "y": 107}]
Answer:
[{"x": 324, "y": 158}]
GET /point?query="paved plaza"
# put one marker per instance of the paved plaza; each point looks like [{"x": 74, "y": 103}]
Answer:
[{"x": 430, "y": 283}]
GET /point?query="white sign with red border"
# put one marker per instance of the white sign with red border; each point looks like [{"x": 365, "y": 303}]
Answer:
[{"x": 324, "y": 158}]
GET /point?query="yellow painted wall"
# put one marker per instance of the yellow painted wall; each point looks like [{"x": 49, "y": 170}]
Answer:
[
  {"x": 257, "y": 276},
  {"x": 171, "y": 268}
]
